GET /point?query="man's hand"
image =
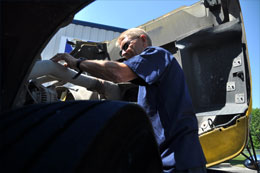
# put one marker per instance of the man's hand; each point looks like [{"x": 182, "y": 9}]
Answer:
[
  {"x": 108, "y": 70},
  {"x": 70, "y": 60}
]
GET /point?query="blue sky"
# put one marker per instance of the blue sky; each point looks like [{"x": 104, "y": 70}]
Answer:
[{"x": 132, "y": 13}]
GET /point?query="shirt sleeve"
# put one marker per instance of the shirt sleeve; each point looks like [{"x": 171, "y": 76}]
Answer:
[{"x": 150, "y": 64}]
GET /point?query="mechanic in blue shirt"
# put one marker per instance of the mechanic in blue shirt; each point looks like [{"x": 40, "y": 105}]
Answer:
[{"x": 163, "y": 94}]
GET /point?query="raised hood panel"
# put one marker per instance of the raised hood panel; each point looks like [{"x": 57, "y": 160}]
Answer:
[{"x": 27, "y": 26}]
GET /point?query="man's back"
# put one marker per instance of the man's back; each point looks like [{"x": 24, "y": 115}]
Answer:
[{"x": 166, "y": 99}]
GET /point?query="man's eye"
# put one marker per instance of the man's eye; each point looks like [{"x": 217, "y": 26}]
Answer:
[{"x": 125, "y": 46}]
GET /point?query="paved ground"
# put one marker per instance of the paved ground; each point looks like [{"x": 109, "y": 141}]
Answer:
[{"x": 228, "y": 168}]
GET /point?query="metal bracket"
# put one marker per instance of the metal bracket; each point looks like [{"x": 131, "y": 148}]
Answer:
[
  {"x": 252, "y": 156},
  {"x": 212, "y": 3}
]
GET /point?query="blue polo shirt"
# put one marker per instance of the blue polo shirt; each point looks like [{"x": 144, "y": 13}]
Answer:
[{"x": 164, "y": 95}]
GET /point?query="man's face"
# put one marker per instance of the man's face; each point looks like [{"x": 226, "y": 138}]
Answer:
[{"x": 131, "y": 47}]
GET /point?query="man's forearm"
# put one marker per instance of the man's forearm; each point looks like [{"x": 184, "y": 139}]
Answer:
[{"x": 107, "y": 70}]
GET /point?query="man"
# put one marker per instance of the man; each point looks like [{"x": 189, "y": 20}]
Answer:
[{"x": 162, "y": 93}]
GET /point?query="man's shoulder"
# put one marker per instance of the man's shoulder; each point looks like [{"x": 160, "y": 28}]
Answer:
[{"x": 156, "y": 49}]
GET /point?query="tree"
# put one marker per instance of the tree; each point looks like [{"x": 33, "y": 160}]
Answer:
[{"x": 255, "y": 127}]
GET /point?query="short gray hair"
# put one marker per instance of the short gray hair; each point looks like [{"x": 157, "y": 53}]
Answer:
[{"x": 133, "y": 33}]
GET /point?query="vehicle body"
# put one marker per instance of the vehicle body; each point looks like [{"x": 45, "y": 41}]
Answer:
[{"x": 207, "y": 38}]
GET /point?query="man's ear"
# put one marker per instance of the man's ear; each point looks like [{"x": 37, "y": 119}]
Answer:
[{"x": 144, "y": 39}]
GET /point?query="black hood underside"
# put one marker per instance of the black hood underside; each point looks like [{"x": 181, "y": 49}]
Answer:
[{"x": 37, "y": 22}]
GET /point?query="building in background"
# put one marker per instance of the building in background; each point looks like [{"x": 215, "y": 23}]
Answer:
[{"x": 80, "y": 30}]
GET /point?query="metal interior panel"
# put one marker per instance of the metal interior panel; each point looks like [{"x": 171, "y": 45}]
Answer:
[{"x": 203, "y": 57}]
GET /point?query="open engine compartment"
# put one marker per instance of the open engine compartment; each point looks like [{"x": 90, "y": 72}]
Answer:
[{"x": 207, "y": 39}]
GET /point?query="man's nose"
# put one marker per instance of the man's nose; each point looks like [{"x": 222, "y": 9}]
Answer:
[{"x": 123, "y": 52}]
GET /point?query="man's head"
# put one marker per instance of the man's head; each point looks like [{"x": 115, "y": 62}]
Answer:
[{"x": 132, "y": 42}]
